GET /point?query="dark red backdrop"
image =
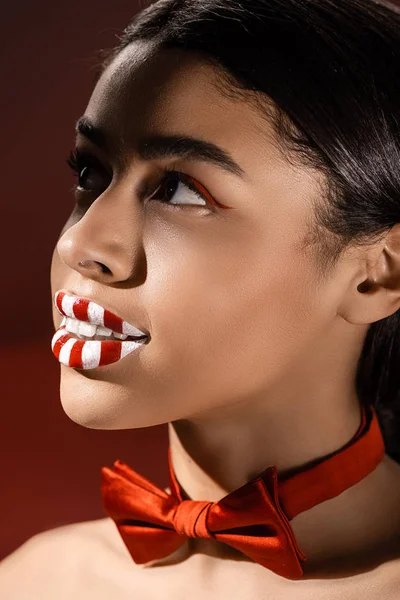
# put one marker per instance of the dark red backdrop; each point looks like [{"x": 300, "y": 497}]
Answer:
[{"x": 50, "y": 467}]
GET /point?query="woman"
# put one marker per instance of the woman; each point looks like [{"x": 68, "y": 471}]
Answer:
[{"x": 237, "y": 217}]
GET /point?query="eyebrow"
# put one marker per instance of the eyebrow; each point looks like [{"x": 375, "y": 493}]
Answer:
[{"x": 166, "y": 146}]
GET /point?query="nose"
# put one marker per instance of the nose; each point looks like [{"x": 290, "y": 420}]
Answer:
[{"x": 106, "y": 244}]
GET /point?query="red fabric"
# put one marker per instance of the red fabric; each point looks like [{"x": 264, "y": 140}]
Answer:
[
  {"x": 330, "y": 476},
  {"x": 254, "y": 518}
]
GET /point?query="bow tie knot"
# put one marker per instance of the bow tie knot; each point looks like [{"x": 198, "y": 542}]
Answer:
[
  {"x": 190, "y": 518},
  {"x": 153, "y": 523},
  {"x": 254, "y": 519}
]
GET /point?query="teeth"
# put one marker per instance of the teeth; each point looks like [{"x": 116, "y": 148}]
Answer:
[
  {"x": 83, "y": 328},
  {"x": 103, "y": 330},
  {"x": 72, "y": 325},
  {"x": 87, "y": 329},
  {"x": 120, "y": 336}
]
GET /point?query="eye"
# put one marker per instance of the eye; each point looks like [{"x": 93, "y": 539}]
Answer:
[
  {"x": 180, "y": 189},
  {"x": 91, "y": 174},
  {"x": 176, "y": 189}
]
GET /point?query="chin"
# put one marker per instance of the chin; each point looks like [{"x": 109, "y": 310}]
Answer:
[{"x": 98, "y": 404}]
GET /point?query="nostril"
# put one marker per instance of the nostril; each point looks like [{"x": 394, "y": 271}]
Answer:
[{"x": 93, "y": 263}]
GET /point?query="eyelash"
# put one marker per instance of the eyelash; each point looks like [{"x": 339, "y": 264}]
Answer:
[{"x": 78, "y": 160}]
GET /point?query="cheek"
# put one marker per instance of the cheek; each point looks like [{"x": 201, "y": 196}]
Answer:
[{"x": 226, "y": 321}]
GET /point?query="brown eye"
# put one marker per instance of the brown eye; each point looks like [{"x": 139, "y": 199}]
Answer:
[
  {"x": 90, "y": 179},
  {"x": 90, "y": 173},
  {"x": 179, "y": 190}
]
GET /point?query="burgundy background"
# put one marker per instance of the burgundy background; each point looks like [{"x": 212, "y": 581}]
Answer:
[{"x": 50, "y": 466}]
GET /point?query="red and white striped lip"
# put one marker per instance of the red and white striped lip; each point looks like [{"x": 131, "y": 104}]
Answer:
[{"x": 87, "y": 310}]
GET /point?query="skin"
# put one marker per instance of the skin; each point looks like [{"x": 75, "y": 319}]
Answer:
[{"x": 252, "y": 358}]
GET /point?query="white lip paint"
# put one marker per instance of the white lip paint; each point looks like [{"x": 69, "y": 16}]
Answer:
[
  {"x": 89, "y": 354},
  {"x": 91, "y": 312}
]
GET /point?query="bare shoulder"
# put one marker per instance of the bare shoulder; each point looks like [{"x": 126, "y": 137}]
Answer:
[
  {"x": 388, "y": 579},
  {"x": 381, "y": 582},
  {"x": 56, "y": 563}
]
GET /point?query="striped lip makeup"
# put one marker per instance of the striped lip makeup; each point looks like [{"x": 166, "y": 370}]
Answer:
[{"x": 91, "y": 336}]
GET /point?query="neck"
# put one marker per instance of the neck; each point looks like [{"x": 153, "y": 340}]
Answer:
[
  {"x": 308, "y": 412},
  {"x": 216, "y": 453}
]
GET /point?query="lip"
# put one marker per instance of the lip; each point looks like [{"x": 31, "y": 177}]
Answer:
[
  {"x": 90, "y": 354},
  {"x": 84, "y": 309}
]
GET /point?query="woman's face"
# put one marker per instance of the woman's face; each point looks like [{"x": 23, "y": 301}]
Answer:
[{"x": 230, "y": 302}]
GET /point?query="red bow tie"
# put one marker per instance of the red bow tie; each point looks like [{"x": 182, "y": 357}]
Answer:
[{"x": 254, "y": 518}]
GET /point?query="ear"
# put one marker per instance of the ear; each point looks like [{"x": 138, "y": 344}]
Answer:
[{"x": 374, "y": 292}]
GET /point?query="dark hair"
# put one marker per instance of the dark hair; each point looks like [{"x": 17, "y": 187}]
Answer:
[{"x": 328, "y": 74}]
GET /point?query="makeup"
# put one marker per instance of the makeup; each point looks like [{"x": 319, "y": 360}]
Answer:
[{"x": 91, "y": 336}]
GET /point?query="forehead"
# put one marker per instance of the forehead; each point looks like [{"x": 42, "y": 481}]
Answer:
[{"x": 147, "y": 90}]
